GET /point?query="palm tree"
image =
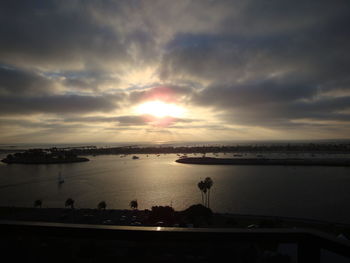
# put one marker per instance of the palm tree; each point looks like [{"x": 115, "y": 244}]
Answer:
[
  {"x": 38, "y": 203},
  {"x": 208, "y": 184},
  {"x": 102, "y": 205},
  {"x": 205, "y": 191},
  {"x": 201, "y": 187},
  {"x": 69, "y": 202},
  {"x": 133, "y": 204}
]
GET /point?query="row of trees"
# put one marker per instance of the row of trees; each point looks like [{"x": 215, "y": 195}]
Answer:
[
  {"x": 204, "y": 187},
  {"x": 70, "y": 203}
]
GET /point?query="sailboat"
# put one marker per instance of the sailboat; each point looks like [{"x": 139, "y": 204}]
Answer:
[{"x": 60, "y": 178}]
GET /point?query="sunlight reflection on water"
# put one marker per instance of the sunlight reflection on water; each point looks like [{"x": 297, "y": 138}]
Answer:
[{"x": 309, "y": 192}]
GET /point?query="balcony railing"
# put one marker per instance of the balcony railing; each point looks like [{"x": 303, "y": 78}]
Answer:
[{"x": 54, "y": 242}]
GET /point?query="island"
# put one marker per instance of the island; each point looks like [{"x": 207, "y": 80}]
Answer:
[
  {"x": 266, "y": 161},
  {"x": 39, "y": 156}
]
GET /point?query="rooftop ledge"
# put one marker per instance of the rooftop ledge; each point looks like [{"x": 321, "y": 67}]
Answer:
[{"x": 310, "y": 243}]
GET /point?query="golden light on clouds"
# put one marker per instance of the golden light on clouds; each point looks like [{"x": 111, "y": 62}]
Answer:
[{"x": 160, "y": 109}]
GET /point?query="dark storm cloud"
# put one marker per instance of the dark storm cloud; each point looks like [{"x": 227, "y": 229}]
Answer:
[
  {"x": 276, "y": 16},
  {"x": 57, "y": 104},
  {"x": 273, "y": 69},
  {"x": 122, "y": 120},
  {"x": 207, "y": 127},
  {"x": 47, "y": 124},
  {"x": 273, "y": 103},
  {"x": 257, "y": 63},
  {"x": 133, "y": 120},
  {"x": 24, "y": 91},
  {"x": 128, "y": 120},
  {"x": 20, "y": 123},
  {"x": 288, "y": 114},
  {"x": 19, "y": 81},
  {"x": 311, "y": 52},
  {"x": 89, "y": 119},
  {"x": 67, "y": 34},
  {"x": 91, "y": 80},
  {"x": 254, "y": 93}
]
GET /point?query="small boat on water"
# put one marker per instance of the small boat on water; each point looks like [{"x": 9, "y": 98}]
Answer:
[
  {"x": 135, "y": 157},
  {"x": 60, "y": 178}
]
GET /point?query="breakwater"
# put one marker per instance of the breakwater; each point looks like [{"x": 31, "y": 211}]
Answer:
[{"x": 265, "y": 161}]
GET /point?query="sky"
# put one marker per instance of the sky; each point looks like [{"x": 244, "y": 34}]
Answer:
[{"x": 163, "y": 70}]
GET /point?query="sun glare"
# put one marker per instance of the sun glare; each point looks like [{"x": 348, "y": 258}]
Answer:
[{"x": 160, "y": 109}]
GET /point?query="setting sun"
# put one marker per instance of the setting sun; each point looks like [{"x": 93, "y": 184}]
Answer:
[{"x": 160, "y": 109}]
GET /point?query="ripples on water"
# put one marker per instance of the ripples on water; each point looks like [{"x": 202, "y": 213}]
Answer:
[{"x": 296, "y": 191}]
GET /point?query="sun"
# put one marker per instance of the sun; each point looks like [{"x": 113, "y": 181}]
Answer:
[{"x": 160, "y": 109}]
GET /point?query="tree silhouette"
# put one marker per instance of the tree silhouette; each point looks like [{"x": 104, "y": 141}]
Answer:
[
  {"x": 208, "y": 184},
  {"x": 102, "y": 205},
  {"x": 204, "y": 187},
  {"x": 201, "y": 186},
  {"x": 69, "y": 202},
  {"x": 133, "y": 204},
  {"x": 38, "y": 203}
]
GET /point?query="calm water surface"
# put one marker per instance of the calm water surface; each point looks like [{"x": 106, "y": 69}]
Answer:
[{"x": 308, "y": 192}]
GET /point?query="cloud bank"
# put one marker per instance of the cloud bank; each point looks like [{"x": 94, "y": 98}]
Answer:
[{"x": 243, "y": 70}]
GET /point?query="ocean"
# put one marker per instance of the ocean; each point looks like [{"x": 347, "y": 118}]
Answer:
[{"x": 316, "y": 192}]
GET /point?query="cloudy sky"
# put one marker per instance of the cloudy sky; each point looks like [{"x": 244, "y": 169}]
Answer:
[{"x": 113, "y": 71}]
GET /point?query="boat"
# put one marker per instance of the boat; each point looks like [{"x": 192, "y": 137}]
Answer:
[
  {"x": 135, "y": 157},
  {"x": 60, "y": 178}
]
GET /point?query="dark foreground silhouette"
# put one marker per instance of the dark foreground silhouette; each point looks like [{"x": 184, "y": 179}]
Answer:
[
  {"x": 194, "y": 216},
  {"x": 271, "y": 241}
]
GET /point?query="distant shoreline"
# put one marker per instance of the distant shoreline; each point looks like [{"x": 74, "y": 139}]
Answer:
[
  {"x": 57, "y": 161},
  {"x": 40, "y": 156},
  {"x": 264, "y": 161},
  {"x": 331, "y": 148}
]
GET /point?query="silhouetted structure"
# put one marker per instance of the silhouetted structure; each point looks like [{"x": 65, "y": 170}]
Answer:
[
  {"x": 69, "y": 202},
  {"x": 38, "y": 203},
  {"x": 102, "y": 205},
  {"x": 198, "y": 214},
  {"x": 162, "y": 216},
  {"x": 133, "y": 204}
]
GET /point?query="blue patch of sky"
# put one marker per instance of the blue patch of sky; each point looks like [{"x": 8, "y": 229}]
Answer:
[
  {"x": 134, "y": 87},
  {"x": 213, "y": 40},
  {"x": 7, "y": 67}
]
